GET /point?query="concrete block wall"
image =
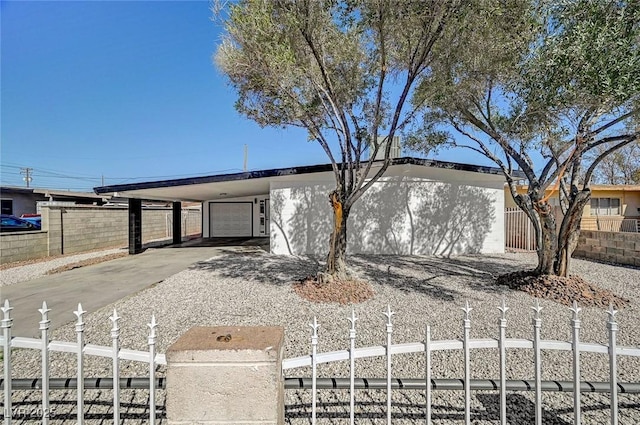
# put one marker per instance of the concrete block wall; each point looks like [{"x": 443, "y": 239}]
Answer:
[
  {"x": 19, "y": 246},
  {"x": 88, "y": 228},
  {"x": 615, "y": 247},
  {"x": 70, "y": 230},
  {"x": 156, "y": 224}
]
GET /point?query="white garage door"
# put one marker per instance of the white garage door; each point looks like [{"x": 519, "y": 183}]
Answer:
[{"x": 231, "y": 219}]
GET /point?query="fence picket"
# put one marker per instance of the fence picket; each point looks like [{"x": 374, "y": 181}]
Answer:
[
  {"x": 503, "y": 363},
  {"x": 152, "y": 369},
  {"x": 80, "y": 362},
  {"x": 427, "y": 353},
  {"x": 314, "y": 368},
  {"x": 613, "y": 367},
  {"x": 44, "y": 330},
  {"x": 389, "y": 314},
  {"x": 537, "y": 324},
  {"x": 6, "y": 324},
  {"x": 575, "y": 322},
  {"x": 352, "y": 366},
  {"x": 467, "y": 364},
  {"x": 115, "y": 337}
]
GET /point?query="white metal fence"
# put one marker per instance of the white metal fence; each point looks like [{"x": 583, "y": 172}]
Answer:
[
  {"x": 612, "y": 224},
  {"x": 519, "y": 233},
  {"x": 80, "y": 349},
  {"x": 190, "y": 222},
  {"x": 518, "y": 230},
  {"x": 466, "y": 344}
]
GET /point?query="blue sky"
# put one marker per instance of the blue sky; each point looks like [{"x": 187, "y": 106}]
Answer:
[{"x": 126, "y": 91}]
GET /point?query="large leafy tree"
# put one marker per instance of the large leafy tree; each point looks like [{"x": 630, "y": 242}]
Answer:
[
  {"x": 550, "y": 102},
  {"x": 344, "y": 71}
]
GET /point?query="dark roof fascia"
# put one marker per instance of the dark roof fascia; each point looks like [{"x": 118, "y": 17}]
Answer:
[
  {"x": 307, "y": 169},
  {"x": 15, "y": 189}
]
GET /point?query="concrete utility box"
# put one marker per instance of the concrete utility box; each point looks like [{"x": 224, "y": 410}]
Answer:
[{"x": 226, "y": 375}]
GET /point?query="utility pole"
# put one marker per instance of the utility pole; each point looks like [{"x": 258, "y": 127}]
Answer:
[
  {"x": 246, "y": 154},
  {"x": 27, "y": 174}
]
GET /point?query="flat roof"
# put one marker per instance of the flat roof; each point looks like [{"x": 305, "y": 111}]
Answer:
[
  {"x": 611, "y": 187},
  {"x": 252, "y": 183}
]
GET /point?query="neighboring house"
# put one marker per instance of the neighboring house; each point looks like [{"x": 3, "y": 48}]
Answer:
[
  {"x": 611, "y": 206},
  {"x": 419, "y": 207},
  {"x": 19, "y": 200},
  {"x": 22, "y": 200}
]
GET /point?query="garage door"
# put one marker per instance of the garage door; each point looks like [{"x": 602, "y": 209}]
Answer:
[{"x": 228, "y": 219}]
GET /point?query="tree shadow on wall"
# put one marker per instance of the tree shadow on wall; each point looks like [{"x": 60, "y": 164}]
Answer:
[
  {"x": 396, "y": 216},
  {"x": 307, "y": 229}
]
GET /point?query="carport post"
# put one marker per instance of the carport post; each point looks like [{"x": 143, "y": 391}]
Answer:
[
  {"x": 177, "y": 222},
  {"x": 135, "y": 226}
]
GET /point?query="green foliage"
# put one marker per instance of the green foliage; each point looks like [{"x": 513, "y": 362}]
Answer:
[
  {"x": 544, "y": 89},
  {"x": 343, "y": 70},
  {"x": 552, "y": 79},
  {"x": 589, "y": 56}
]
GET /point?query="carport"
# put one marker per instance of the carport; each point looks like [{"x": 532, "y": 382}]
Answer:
[
  {"x": 419, "y": 206},
  {"x": 232, "y": 198}
]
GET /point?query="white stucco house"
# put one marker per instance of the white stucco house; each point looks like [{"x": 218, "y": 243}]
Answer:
[{"x": 419, "y": 207}]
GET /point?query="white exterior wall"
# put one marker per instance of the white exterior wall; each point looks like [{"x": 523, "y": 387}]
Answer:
[
  {"x": 398, "y": 215},
  {"x": 255, "y": 200}
]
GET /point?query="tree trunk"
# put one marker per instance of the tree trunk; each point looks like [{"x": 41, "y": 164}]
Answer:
[
  {"x": 554, "y": 246},
  {"x": 336, "y": 264},
  {"x": 570, "y": 231},
  {"x": 544, "y": 225},
  {"x": 547, "y": 240}
]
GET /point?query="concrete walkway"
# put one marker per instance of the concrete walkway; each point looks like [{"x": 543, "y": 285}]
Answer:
[{"x": 95, "y": 286}]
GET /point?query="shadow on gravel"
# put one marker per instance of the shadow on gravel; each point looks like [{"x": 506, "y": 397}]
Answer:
[
  {"x": 30, "y": 411},
  {"x": 520, "y": 410},
  {"x": 254, "y": 264},
  {"x": 251, "y": 263},
  {"x": 479, "y": 272}
]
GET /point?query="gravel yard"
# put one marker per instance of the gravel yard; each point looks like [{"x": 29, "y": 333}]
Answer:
[{"x": 244, "y": 287}]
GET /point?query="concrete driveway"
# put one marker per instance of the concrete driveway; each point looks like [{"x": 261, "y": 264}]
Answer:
[{"x": 101, "y": 284}]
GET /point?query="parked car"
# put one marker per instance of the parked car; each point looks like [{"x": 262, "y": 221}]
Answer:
[
  {"x": 9, "y": 223},
  {"x": 33, "y": 219}
]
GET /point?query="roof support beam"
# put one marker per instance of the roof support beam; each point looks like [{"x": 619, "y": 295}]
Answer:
[
  {"x": 135, "y": 226},
  {"x": 177, "y": 222}
]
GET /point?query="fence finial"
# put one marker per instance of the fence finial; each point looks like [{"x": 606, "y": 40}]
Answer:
[
  {"x": 503, "y": 309},
  {"x": 79, "y": 313},
  {"x": 44, "y": 311},
  {"x": 152, "y": 328},
  {"x": 389, "y": 314},
  {"x": 537, "y": 309},
  {"x": 612, "y": 313},
  {"x": 467, "y": 310},
  {"x": 314, "y": 326},
  {"x": 6, "y": 310},
  {"x": 114, "y": 319},
  {"x": 575, "y": 309},
  {"x": 352, "y": 319}
]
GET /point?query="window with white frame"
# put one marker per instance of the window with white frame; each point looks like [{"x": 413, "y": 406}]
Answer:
[{"x": 605, "y": 206}]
